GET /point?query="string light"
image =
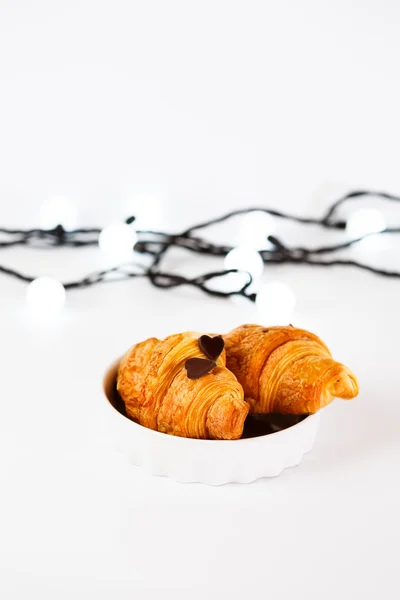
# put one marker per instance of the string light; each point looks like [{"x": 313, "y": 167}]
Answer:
[
  {"x": 255, "y": 229},
  {"x": 275, "y": 302},
  {"x": 148, "y": 210},
  {"x": 117, "y": 240},
  {"x": 364, "y": 221},
  {"x": 45, "y": 296},
  {"x": 58, "y": 210},
  {"x": 244, "y": 258},
  {"x": 157, "y": 244}
]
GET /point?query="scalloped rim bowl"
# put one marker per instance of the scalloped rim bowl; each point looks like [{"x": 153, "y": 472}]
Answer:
[{"x": 214, "y": 462}]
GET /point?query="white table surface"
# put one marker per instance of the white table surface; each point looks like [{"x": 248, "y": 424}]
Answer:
[{"x": 77, "y": 521}]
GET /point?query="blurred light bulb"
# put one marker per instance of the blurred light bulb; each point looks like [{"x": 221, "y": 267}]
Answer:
[
  {"x": 255, "y": 228},
  {"x": 365, "y": 220},
  {"x": 148, "y": 211},
  {"x": 58, "y": 211},
  {"x": 244, "y": 258},
  {"x": 45, "y": 296},
  {"x": 275, "y": 302},
  {"x": 117, "y": 240}
]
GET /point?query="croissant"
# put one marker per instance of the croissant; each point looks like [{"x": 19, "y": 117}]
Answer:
[
  {"x": 158, "y": 393},
  {"x": 286, "y": 370}
]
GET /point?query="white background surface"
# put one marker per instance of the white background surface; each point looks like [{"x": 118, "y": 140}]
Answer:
[{"x": 191, "y": 109}]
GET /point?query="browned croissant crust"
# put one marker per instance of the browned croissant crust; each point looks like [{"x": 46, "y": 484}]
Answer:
[
  {"x": 158, "y": 394},
  {"x": 286, "y": 370}
]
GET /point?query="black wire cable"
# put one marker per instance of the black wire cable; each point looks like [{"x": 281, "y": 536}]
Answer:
[
  {"x": 355, "y": 194},
  {"x": 156, "y": 244}
]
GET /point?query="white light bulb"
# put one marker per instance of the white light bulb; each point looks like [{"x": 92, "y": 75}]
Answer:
[
  {"x": 148, "y": 210},
  {"x": 255, "y": 228},
  {"x": 244, "y": 258},
  {"x": 58, "y": 211},
  {"x": 365, "y": 220},
  {"x": 117, "y": 240},
  {"x": 276, "y": 301},
  {"x": 45, "y": 296}
]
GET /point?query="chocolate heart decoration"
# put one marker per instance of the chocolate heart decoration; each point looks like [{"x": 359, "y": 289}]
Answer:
[
  {"x": 197, "y": 367},
  {"x": 211, "y": 346}
]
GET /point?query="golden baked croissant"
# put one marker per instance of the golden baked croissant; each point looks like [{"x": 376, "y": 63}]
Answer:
[
  {"x": 286, "y": 370},
  {"x": 158, "y": 393}
]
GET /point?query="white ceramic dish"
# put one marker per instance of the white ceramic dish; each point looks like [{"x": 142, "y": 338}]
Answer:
[{"x": 213, "y": 462}]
